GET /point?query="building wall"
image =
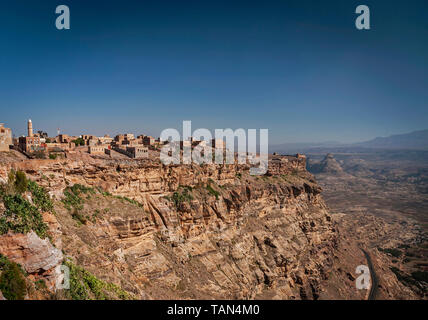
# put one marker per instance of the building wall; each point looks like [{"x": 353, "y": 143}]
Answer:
[
  {"x": 96, "y": 149},
  {"x": 134, "y": 152},
  {"x": 148, "y": 141},
  {"x": 30, "y": 144},
  {"x": 5, "y": 138}
]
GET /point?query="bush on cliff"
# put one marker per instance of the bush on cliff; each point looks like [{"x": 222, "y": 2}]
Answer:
[
  {"x": 183, "y": 194},
  {"x": 85, "y": 286},
  {"x": 16, "y": 183},
  {"x": 212, "y": 191},
  {"x": 40, "y": 197},
  {"x": 73, "y": 196},
  {"x": 12, "y": 280},
  {"x": 21, "y": 217}
]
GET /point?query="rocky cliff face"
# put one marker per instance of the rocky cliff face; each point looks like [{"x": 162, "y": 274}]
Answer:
[{"x": 165, "y": 232}]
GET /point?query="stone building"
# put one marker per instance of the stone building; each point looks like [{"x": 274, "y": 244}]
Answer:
[
  {"x": 30, "y": 144},
  {"x": 96, "y": 149},
  {"x": 64, "y": 138},
  {"x": 138, "y": 151},
  {"x": 129, "y": 136},
  {"x": 148, "y": 141},
  {"x": 131, "y": 142},
  {"x": 106, "y": 139},
  {"x": 119, "y": 139},
  {"x": 5, "y": 138},
  {"x": 56, "y": 146}
]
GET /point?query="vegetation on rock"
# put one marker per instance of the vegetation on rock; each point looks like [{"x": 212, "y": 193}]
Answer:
[
  {"x": 12, "y": 280},
  {"x": 85, "y": 286},
  {"x": 74, "y": 201},
  {"x": 183, "y": 194},
  {"x": 20, "y": 215}
]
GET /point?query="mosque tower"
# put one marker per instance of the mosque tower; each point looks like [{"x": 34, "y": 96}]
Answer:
[{"x": 30, "y": 128}]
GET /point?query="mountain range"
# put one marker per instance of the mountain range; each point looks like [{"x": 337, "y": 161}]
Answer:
[{"x": 416, "y": 140}]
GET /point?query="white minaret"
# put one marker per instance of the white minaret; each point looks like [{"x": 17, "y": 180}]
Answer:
[{"x": 30, "y": 128}]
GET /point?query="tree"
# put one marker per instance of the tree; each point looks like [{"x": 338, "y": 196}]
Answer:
[
  {"x": 20, "y": 182},
  {"x": 12, "y": 282}
]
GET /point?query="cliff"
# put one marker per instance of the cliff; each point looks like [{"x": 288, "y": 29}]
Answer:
[{"x": 196, "y": 232}]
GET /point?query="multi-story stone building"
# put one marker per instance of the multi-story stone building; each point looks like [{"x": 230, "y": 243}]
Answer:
[
  {"x": 119, "y": 139},
  {"x": 30, "y": 143},
  {"x": 64, "y": 138},
  {"x": 137, "y": 151},
  {"x": 106, "y": 139},
  {"x": 148, "y": 141},
  {"x": 98, "y": 149},
  {"x": 129, "y": 136},
  {"x": 5, "y": 138}
]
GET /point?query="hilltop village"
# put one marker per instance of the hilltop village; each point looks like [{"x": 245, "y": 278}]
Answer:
[{"x": 38, "y": 145}]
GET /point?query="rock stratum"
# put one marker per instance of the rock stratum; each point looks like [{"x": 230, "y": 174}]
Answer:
[{"x": 193, "y": 232}]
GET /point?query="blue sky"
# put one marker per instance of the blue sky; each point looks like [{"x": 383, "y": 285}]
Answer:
[{"x": 299, "y": 68}]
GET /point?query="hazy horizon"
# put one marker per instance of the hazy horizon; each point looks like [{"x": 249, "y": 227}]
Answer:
[{"x": 300, "y": 69}]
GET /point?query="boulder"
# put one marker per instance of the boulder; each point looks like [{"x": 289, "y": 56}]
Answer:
[{"x": 34, "y": 254}]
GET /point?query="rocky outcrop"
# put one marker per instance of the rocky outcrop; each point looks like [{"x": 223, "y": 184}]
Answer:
[
  {"x": 328, "y": 165},
  {"x": 196, "y": 232},
  {"x": 37, "y": 256},
  {"x": 34, "y": 254},
  {"x": 236, "y": 237}
]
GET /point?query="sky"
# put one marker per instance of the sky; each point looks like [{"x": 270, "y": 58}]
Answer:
[{"x": 298, "y": 68}]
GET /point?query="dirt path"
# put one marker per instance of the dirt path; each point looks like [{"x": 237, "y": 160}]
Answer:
[{"x": 373, "y": 276}]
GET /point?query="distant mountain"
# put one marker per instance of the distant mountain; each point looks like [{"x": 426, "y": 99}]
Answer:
[
  {"x": 291, "y": 148},
  {"x": 417, "y": 140},
  {"x": 327, "y": 165},
  {"x": 414, "y": 140}
]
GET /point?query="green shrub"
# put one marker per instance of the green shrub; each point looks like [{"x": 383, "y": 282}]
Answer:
[
  {"x": 212, "y": 191},
  {"x": 183, "y": 194},
  {"x": 85, "y": 286},
  {"x": 79, "y": 217},
  {"x": 40, "y": 284},
  {"x": 12, "y": 280},
  {"x": 21, "y": 182},
  {"x": 40, "y": 197},
  {"x": 79, "y": 142},
  {"x": 17, "y": 182},
  {"x": 134, "y": 202},
  {"x": 73, "y": 196},
  {"x": 21, "y": 216}
]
